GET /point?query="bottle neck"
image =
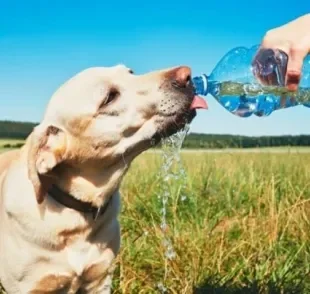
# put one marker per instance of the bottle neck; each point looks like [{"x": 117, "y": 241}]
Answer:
[{"x": 201, "y": 84}]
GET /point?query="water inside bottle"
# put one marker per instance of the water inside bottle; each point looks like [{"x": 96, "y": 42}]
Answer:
[
  {"x": 244, "y": 99},
  {"x": 172, "y": 173}
]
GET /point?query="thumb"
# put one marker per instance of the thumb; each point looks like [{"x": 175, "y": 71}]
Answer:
[{"x": 294, "y": 68}]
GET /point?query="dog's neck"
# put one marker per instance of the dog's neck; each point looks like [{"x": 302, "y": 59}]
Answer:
[{"x": 90, "y": 185}]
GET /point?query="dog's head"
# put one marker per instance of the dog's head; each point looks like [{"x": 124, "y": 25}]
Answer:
[{"x": 103, "y": 115}]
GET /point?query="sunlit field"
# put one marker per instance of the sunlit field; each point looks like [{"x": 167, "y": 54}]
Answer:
[
  {"x": 242, "y": 228},
  {"x": 241, "y": 224}
]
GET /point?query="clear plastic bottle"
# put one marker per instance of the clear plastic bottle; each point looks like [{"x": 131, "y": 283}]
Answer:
[{"x": 247, "y": 83}]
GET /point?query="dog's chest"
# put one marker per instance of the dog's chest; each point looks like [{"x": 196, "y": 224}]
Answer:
[
  {"x": 83, "y": 263},
  {"x": 80, "y": 255}
]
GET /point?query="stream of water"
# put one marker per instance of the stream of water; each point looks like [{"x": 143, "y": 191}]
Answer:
[{"x": 172, "y": 173}]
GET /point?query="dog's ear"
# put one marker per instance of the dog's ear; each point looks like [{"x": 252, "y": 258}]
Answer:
[{"x": 47, "y": 149}]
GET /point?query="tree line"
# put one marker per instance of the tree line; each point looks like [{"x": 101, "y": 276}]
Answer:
[
  {"x": 15, "y": 130},
  {"x": 20, "y": 130},
  {"x": 232, "y": 141}
]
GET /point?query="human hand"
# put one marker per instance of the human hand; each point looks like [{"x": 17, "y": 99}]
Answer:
[{"x": 292, "y": 38}]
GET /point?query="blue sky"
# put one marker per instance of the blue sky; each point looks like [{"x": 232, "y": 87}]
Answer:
[{"x": 43, "y": 43}]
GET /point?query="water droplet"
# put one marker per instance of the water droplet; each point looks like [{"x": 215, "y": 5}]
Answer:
[
  {"x": 163, "y": 226},
  {"x": 165, "y": 242},
  {"x": 161, "y": 288},
  {"x": 183, "y": 198},
  {"x": 167, "y": 178},
  {"x": 170, "y": 253}
]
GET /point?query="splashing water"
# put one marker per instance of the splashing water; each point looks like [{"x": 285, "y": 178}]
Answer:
[{"x": 171, "y": 158}]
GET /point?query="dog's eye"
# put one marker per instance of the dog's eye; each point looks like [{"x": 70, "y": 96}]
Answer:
[
  {"x": 131, "y": 71},
  {"x": 112, "y": 95}
]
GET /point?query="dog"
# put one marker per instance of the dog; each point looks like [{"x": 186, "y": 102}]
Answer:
[{"x": 59, "y": 198}]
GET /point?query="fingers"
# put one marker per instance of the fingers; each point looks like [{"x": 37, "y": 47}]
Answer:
[
  {"x": 292, "y": 38},
  {"x": 295, "y": 48},
  {"x": 296, "y": 57},
  {"x": 270, "y": 66},
  {"x": 294, "y": 67}
]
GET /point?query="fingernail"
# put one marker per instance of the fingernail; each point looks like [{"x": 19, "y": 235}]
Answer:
[
  {"x": 292, "y": 87},
  {"x": 293, "y": 80}
]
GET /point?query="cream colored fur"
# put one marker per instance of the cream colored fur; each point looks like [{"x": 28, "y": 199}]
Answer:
[{"x": 84, "y": 145}]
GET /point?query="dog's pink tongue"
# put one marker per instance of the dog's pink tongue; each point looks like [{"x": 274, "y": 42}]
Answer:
[{"x": 199, "y": 103}]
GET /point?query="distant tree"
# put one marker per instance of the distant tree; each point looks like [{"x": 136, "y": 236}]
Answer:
[
  {"x": 15, "y": 130},
  {"x": 21, "y": 130}
]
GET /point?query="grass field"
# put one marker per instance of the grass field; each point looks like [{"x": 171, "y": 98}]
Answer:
[
  {"x": 243, "y": 227},
  {"x": 241, "y": 224},
  {"x": 5, "y": 142},
  {"x": 10, "y": 141}
]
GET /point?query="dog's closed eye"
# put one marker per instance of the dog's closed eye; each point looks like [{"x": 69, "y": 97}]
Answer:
[{"x": 111, "y": 96}]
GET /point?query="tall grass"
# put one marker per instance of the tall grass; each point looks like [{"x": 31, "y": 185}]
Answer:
[
  {"x": 244, "y": 226},
  {"x": 240, "y": 225}
]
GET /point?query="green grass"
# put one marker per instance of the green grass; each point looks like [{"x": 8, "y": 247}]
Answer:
[
  {"x": 7, "y": 144},
  {"x": 10, "y": 141},
  {"x": 244, "y": 226}
]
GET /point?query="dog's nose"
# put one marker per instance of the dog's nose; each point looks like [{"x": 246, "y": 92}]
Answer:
[{"x": 182, "y": 75}]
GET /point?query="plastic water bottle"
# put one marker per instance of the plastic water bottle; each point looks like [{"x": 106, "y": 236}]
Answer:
[{"x": 251, "y": 81}]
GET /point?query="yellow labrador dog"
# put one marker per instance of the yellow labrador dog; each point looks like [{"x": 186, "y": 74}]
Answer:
[{"x": 59, "y": 197}]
